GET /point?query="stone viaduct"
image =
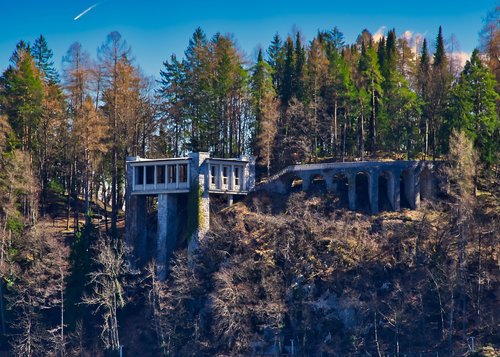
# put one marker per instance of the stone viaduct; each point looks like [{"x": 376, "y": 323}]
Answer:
[{"x": 389, "y": 185}]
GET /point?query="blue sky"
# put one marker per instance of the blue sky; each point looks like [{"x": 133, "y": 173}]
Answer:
[{"x": 155, "y": 29}]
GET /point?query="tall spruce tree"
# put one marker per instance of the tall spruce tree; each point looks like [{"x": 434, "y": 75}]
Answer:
[
  {"x": 299, "y": 81},
  {"x": 287, "y": 88},
  {"x": 21, "y": 96},
  {"x": 440, "y": 88},
  {"x": 473, "y": 108},
  {"x": 423, "y": 90},
  {"x": 43, "y": 59},
  {"x": 371, "y": 80},
  {"x": 276, "y": 56}
]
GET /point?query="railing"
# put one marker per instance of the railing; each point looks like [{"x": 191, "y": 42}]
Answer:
[
  {"x": 150, "y": 176},
  {"x": 338, "y": 165}
]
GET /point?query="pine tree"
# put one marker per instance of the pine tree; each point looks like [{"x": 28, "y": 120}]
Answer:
[
  {"x": 371, "y": 80},
  {"x": 299, "y": 80},
  {"x": 276, "y": 57},
  {"x": 400, "y": 105},
  {"x": 21, "y": 96},
  {"x": 423, "y": 90},
  {"x": 195, "y": 66},
  {"x": 474, "y": 108},
  {"x": 440, "y": 88},
  {"x": 317, "y": 82},
  {"x": 440, "y": 57},
  {"x": 287, "y": 88},
  {"x": 43, "y": 59},
  {"x": 174, "y": 118}
]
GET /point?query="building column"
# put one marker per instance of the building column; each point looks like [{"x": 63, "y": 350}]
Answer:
[
  {"x": 351, "y": 186},
  {"x": 167, "y": 232},
  {"x": 373, "y": 191}
]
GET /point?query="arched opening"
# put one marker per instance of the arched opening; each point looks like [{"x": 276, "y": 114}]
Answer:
[
  {"x": 404, "y": 188},
  {"x": 425, "y": 183},
  {"x": 385, "y": 191},
  {"x": 362, "y": 194},
  {"x": 296, "y": 184},
  {"x": 341, "y": 189},
  {"x": 318, "y": 183}
]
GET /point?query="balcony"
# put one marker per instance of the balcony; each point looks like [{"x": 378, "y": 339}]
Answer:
[
  {"x": 228, "y": 176},
  {"x": 160, "y": 176}
]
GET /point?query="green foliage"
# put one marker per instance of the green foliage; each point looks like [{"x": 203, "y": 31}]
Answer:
[
  {"x": 56, "y": 186},
  {"x": 21, "y": 96},
  {"x": 43, "y": 60},
  {"x": 473, "y": 108},
  {"x": 15, "y": 225}
]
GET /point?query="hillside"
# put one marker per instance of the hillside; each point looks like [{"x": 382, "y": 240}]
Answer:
[{"x": 277, "y": 273}]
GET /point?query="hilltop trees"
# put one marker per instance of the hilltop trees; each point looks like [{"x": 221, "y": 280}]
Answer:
[
  {"x": 206, "y": 100},
  {"x": 473, "y": 107},
  {"x": 331, "y": 99}
]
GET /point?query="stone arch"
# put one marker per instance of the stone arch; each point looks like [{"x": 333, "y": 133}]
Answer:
[
  {"x": 362, "y": 183},
  {"x": 296, "y": 183},
  {"x": 318, "y": 183},
  {"x": 425, "y": 184},
  {"x": 340, "y": 187},
  {"x": 406, "y": 189},
  {"x": 386, "y": 191}
]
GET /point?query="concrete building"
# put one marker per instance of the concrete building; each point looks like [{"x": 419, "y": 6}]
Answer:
[{"x": 183, "y": 187}]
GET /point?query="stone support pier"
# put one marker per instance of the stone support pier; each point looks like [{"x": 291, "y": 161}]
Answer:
[
  {"x": 199, "y": 200},
  {"x": 167, "y": 231},
  {"x": 351, "y": 184},
  {"x": 373, "y": 177}
]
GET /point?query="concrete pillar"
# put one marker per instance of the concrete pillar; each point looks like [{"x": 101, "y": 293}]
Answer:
[
  {"x": 135, "y": 220},
  {"x": 373, "y": 191},
  {"x": 409, "y": 179},
  {"x": 330, "y": 187},
  {"x": 306, "y": 182},
  {"x": 396, "y": 187},
  {"x": 417, "y": 177},
  {"x": 199, "y": 201},
  {"x": 248, "y": 174},
  {"x": 136, "y": 228},
  {"x": 229, "y": 200},
  {"x": 390, "y": 189},
  {"x": 167, "y": 232},
  {"x": 351, "y": 186}
]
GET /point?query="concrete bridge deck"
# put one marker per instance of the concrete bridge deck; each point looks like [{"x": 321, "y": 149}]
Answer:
[{"x": 399, "y": 183}]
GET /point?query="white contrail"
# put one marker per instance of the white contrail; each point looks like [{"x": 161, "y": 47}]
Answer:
[{"x": 83, "y": 13}]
